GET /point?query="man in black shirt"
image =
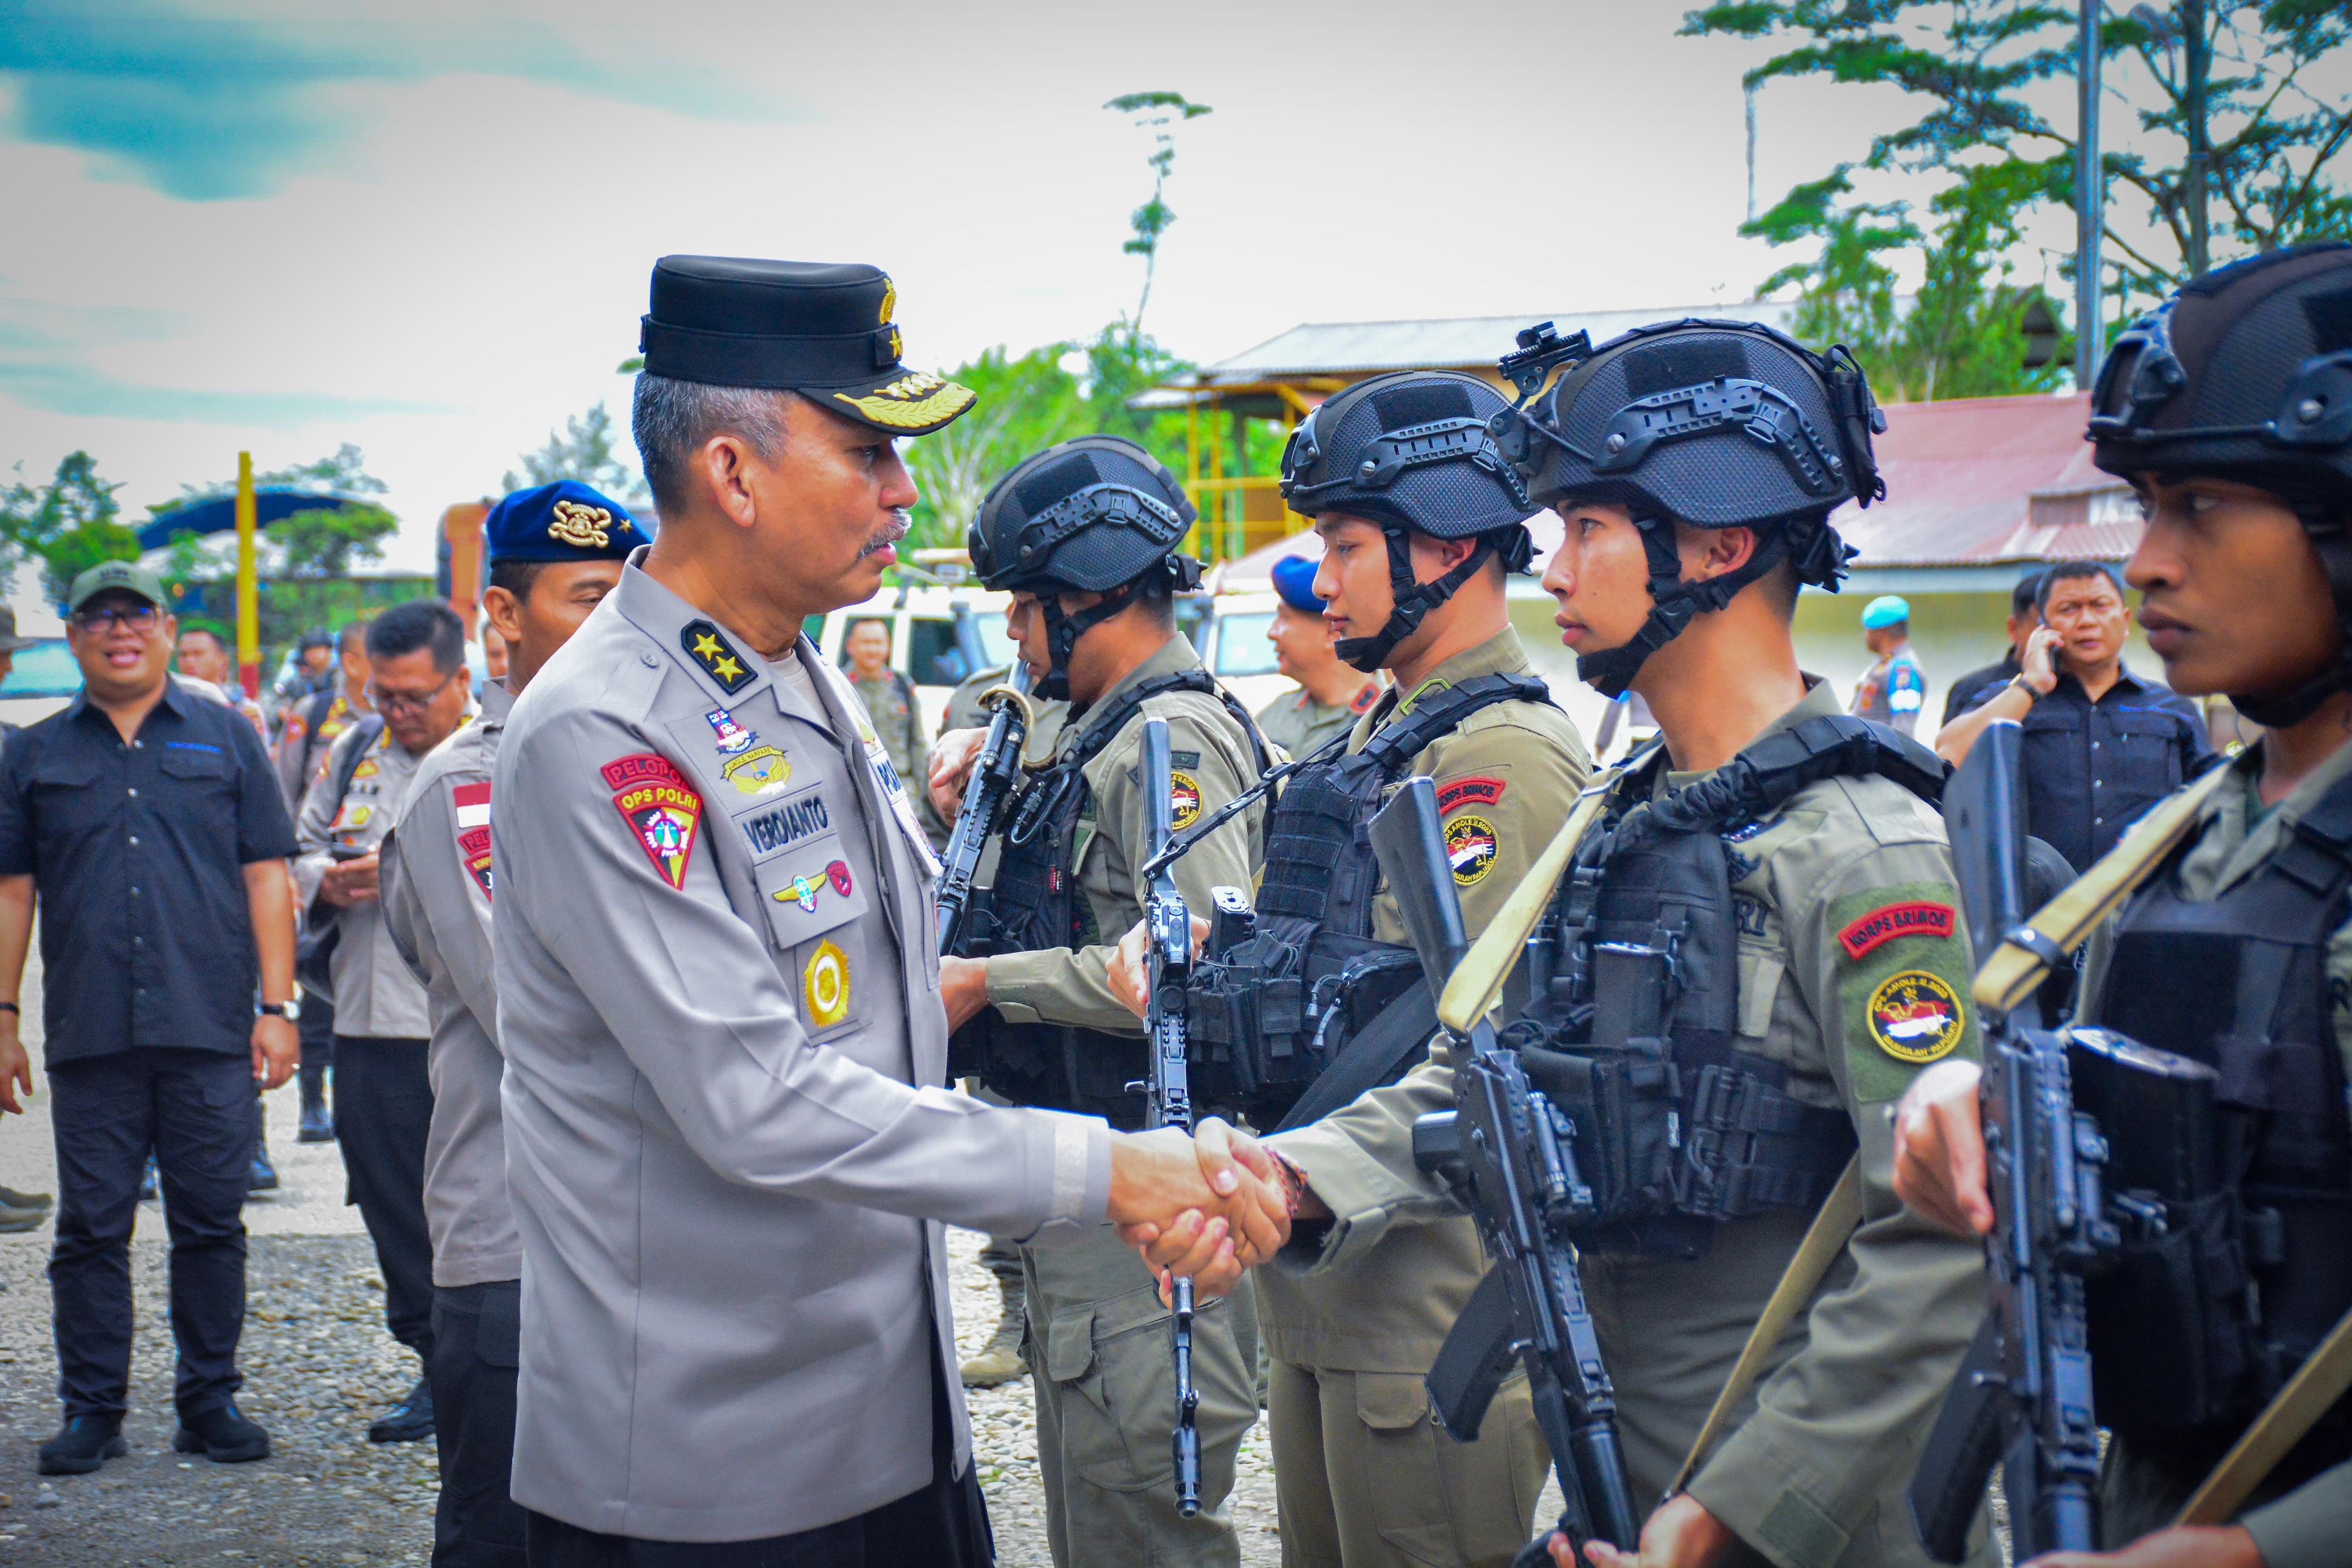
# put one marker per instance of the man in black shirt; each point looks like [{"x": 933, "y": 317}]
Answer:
[
  {"x": 2102, "y": 744},
  {"x": 1973, "y": 687},
  {"x": 147, "y": 825}
]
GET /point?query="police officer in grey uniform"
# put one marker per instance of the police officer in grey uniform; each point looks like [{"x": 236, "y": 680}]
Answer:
[
  {"x": 555, "y": 551},
  {"x": 729, "y": 1133},
  {"x": 1084, "y": 535}
]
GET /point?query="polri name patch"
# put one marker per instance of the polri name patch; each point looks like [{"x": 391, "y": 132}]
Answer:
[{"x": 1879, "y": 926}]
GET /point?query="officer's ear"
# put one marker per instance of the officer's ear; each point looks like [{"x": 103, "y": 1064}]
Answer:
[{"x": 1710, "y": 553}]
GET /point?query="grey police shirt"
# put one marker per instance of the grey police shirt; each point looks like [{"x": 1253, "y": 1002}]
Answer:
[
  {"x": 376, "y": 997},
  {"x": 729, "y": 1140},
  {"x": 437, "y": 891}
]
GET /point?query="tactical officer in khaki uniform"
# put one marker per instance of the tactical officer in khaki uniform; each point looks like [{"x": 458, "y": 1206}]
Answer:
[
  {"x": 555, "y": 551},
  {"x": 1415, "y": 561},
  {"x": 1331, "y": 696},
  {"x": 1084, "y": 535},
  {"x": 889, "y": 699},
  {"x": 2236, "y": 950},
  {"x": 728, "y": 1136},
  {"x": 1769, "y": 886},
  {"x": 961, "y": 728}
]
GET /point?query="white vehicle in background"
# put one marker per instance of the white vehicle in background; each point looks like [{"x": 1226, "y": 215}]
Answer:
[
  {"x": 42, "y": 679},
  {"x": 1231, "y": 638},
  {"x": 940, "y": 632}
]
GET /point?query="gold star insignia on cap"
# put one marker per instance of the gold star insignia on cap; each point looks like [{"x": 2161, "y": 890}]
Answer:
[{"x": 718, "y": 657}]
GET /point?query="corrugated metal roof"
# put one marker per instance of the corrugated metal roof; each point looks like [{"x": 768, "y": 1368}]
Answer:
[
  {"x": 1354, "y": 347},
  {"x": 1970, "y": 482},
  {"x": 1974, "y": 481}
]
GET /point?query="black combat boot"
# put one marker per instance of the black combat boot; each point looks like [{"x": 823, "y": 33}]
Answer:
[
  {"x": 318, "y": 1126},
  {"x": 410, "y": 1421},
  {"x": 223, "y": 1435},
  {"x": 82, "y": 1445}
]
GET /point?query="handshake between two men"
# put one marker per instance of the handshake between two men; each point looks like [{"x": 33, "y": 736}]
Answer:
[{"x": 1205, "y": 1207}]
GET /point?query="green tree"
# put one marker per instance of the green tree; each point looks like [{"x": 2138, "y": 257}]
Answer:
[
  {"x": 67, "y": 524},
  {"x": 2237, "y": 113},
  {"x": 586, "y": 450},
  {"x": 1158, "y": 112}
]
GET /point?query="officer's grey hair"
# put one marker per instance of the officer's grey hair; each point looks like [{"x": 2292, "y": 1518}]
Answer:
[{"x": 671, "y": 420}]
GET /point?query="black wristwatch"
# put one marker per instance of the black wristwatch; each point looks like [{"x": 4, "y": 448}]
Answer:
[
  {"x": 291, "y": 1012},
  {"x": 2019, "y": 682}
]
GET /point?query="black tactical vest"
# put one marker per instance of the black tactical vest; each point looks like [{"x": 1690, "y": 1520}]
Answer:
[
  {"x": 1267, "y": 1016},
  {"x": 2229, "y": 1288},
  {"x": 1036, "y": 908},
  {"x": 1635, "y": 1001}
]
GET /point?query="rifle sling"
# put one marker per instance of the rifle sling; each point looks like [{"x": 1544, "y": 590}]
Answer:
[
  {"x": 1840, "y": 1212},
  {"x": 2014, "y": 969},
  {"x": 1371, "y": 1058},
  {"x": 2322, "y": 1379}
]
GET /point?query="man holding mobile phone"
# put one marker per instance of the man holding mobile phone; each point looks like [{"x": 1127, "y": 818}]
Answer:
[{"x": 2102, "y": 743}]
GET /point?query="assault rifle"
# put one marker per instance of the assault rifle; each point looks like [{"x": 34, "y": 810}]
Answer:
[
  {"x": 2023, "y": 1397},
  {"x": 966, "y": 926},
  {"x": 1169, "y": 1094},
  {"x": 1512, "y": 1156}
]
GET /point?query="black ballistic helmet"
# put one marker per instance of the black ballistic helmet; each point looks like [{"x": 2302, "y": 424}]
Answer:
[
  {"x": 2246, "y": 374},
  {"x": 1411, "y": 451},
  {"x": 1715, "y": 423},
  {"x": 1097, "y": 515}
]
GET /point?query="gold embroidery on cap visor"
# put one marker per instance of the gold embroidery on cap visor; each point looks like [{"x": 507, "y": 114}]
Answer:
[
  {"x": 914, "y": 402},
  {"x": 581, "y": 526}
]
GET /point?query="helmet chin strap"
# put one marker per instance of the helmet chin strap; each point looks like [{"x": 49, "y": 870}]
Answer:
[
  {"x": 1673, "y": 603},
  {"x": 1063, "y": 630},
  {"x": 2326, "y": 528},
  {"x": 1409, "y": 601}
]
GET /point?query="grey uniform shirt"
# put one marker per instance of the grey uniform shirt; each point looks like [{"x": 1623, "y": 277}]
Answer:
[
  {"x": 376, "y": 997},
  {"x": 728, "y": 1137},
  {"x": 437, "y": 905}
]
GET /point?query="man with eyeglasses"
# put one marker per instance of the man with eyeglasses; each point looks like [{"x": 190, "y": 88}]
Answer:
[
  {"x": 420, "y": 691},
  {"x": 145, "y": 821}
]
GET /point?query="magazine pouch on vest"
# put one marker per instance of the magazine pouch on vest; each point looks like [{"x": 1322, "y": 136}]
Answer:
[
  {"x": 1036, "y": 908},
  {"x": 2237, "y": 1210},
  {"x": 1634, "y": 1003},
  {"x": 1271, "y": 1012}
]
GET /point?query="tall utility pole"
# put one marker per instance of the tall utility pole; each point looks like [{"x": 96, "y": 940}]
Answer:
[
  {"x": 2090, "y": 205},
  {"x": 2197, "y": 63}
]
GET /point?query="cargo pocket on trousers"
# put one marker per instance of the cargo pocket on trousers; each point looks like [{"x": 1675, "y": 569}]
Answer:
[
  {"x": 1117, "y": 1391},
  {"x": 1404, "y": 1477},
  {"x": 498, "y": 1340}
]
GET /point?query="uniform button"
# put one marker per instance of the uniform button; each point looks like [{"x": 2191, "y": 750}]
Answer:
[
  {"x": 134, "y": 893},
  {"x": 134, "y": 841},
  {"x": 648, "y": 661},
  {"x": 2098, "y": 783},
  {"x": 134, "y": 791},
  {"x": 138, "y": 941}
]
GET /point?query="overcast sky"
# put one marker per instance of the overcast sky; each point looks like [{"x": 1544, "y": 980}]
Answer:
[{"x": 427, "y": 225}]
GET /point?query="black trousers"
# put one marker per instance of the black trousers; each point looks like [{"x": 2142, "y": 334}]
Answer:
[
  {"x": 196, "y": 1110},
  {"x": 941, "y": 1525},
  {"x": 477, "y": 1344},
  {"x": 384, "y": 1108},
  {"x": 316, "y": 1027}
]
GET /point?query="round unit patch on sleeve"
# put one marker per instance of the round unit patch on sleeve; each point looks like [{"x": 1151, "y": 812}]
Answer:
[
  {"x": 1469, "y": 848},
  {"x": 1916, "y": 1017},
  {"x": 1183, "y": 801},
  {"x": 824, "y": 986}
]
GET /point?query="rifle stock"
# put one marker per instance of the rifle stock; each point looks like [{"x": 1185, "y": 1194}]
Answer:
[
  {"x": 1512, "y": 1154},
  {"x": 1169, "y": 1094},
  {"x": 963, "y": 915}
]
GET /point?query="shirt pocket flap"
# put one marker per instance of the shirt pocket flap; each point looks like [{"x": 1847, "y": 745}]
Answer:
[
  {"x": 65, "y": 772},
  {"x": 2145, "y": 722},
  {"x": 1392, "y": 1401},
  {"x": 196, "y": 762},
  {"x": 1760, "y": 987}
]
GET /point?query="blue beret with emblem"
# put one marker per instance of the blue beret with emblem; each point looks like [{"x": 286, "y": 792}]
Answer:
[
  {"x": 563, "y": 521},
  {"x": 1294, "y": 580}
]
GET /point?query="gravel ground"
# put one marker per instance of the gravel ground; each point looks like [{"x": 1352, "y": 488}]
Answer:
[{"x": 319, "y": 1367}]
